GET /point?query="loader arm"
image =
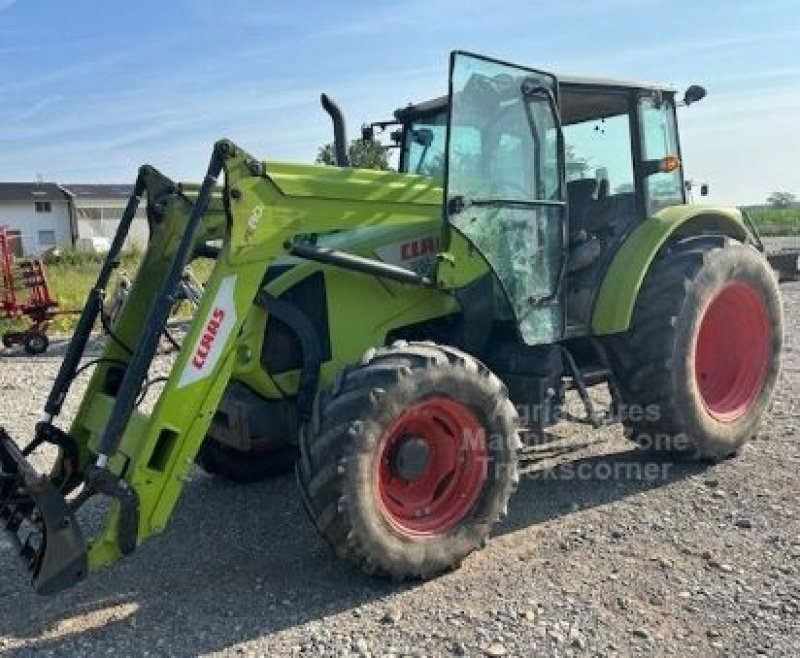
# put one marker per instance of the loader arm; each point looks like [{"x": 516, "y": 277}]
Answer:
[{"x": 114, "y": 450}]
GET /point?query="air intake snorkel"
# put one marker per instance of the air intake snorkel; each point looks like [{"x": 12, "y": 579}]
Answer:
[{"x": 339, "y": 130}]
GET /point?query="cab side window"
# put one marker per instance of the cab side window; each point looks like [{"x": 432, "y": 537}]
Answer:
[{"x": 660, "y": 139}]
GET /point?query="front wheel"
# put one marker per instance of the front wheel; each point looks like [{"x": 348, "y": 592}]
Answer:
[
  {"x": 698, "y": 366},
  {"x": 409, "y": 460}
]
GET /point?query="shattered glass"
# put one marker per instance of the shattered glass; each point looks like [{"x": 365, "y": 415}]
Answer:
[{"x": 504, "y": 186}]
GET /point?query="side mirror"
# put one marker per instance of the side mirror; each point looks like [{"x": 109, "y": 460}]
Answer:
[
  {"x": 704, "y": 189},
  {"x": 693, "y": 94},
  {"x": 423, "y": 137},
  {"x": 367, "y": 133}
]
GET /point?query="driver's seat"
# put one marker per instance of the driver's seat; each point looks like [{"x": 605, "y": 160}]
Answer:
[{"x": 581, "y": 195}]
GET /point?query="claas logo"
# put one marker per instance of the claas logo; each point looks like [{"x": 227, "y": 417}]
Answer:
[
  {"x": 209, "y": 336},
  {"x": 418, "y": 248}
]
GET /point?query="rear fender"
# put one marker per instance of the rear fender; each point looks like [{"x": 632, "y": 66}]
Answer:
[{"x": 613, "y": 308}]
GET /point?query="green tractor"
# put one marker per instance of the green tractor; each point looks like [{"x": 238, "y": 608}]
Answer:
[{"x": 384, "y": 332}]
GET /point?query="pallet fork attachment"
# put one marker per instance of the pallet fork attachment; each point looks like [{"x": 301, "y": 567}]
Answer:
[
  {"x": 34, "y": 508},
  {"x": 40, "y": 523}
]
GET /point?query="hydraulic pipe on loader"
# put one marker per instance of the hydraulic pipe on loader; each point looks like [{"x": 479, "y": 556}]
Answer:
[
  {"x": 34, "y": 508},
  {"x": 146, "y": 348},
  {"x": 94, "y": 302},
  {"x": 139, "y": 460}
]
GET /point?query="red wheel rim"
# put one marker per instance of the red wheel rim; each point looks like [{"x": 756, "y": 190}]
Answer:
[
  {"x": 454, "y": 471},
  {"x": 733, "y": 351}
]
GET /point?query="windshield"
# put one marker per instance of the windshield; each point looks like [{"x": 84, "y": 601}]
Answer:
[
  {"x": 424, "y": 145},
  {"x": 508, "y": 153}
]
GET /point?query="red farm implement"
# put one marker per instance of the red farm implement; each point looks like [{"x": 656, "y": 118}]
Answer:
[{"x": 25, "y": 294}]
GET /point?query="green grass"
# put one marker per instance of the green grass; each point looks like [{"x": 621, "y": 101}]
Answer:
[
  {"x": 775, "y": 221},
  {"x": 71, "y": 276}
]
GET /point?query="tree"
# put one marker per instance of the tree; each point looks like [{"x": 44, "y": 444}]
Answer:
[
  {"x": 781, "y": 199},
  {"x": 364, "y": 154},
  {"x": 577, "y": 166}
]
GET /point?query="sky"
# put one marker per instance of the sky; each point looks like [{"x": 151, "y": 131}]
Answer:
[{"x": 91, "y": 89}]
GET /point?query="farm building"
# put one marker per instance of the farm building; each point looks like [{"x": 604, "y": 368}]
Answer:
[
  {"x": 98, "y": 209},
  {"x": 46, "y": 215},
  {"x": 38, "y": 214}
]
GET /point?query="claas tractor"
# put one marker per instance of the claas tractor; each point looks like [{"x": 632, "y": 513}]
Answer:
[{"x": 397, "y": 336}]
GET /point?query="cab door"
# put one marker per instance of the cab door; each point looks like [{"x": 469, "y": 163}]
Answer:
[{"x": 504, "y": 184}]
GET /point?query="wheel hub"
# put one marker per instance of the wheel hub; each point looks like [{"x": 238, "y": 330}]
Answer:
[
  {"x": 432, "y": 467},
  {"x": 411, "y": 458},
  {"x": 732, "y": 351}
]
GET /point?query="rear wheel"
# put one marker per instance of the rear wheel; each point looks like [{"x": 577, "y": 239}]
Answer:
[
  {"x": 698, "y": 366},
  {"x": 409, "y": 460},
  {"x": 246, "y": 467}
]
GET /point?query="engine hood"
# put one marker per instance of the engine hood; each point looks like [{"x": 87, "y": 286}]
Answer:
[{"x": 346, "y": 184}]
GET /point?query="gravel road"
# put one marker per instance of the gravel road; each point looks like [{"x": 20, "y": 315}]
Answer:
[{"x": 604, "y": 553}]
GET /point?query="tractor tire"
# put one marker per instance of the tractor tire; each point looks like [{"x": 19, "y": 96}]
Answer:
[
  {"x": 409, "y": 460},
  {"x": 240, "y": 467},
  {"x": 699, "y": 364},
  {"x": 35, "y": 342}
]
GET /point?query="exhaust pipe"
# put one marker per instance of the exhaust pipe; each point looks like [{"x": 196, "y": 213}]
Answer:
[{"x": 339, "y": 130}]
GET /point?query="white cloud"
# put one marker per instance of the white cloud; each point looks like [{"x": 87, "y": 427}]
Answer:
[{"x": 36, "y": 108}]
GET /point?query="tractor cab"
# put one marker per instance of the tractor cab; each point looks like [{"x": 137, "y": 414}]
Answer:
[
  {"x": 602, "y": 120},
  {"x": 563, "y": 167}
]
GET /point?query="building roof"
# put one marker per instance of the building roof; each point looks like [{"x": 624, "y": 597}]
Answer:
[
  {"x": 99, "y": 191},
  {"x": 31, "y": 192}
]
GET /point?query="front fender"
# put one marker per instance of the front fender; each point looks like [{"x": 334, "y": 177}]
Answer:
[{"x": 613, "y": 307}]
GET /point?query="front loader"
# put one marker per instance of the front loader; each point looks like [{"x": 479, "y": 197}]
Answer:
[{"x": 382, "y": 331}]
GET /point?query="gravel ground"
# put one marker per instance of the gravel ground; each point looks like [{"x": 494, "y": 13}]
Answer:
[
  {"x": 603, "y": 553},
  {"x": 776, "y": 244}
]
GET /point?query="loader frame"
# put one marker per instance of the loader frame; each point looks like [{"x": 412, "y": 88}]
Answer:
[{"x": 140, "y": 461}]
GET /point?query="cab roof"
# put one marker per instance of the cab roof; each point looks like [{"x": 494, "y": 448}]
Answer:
[
  {"x": 566, "y": 83},
  {"x": 583, "y": 81}
]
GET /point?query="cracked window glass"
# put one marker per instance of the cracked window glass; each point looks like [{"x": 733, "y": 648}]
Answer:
[{"x": 504, "y": 185}]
